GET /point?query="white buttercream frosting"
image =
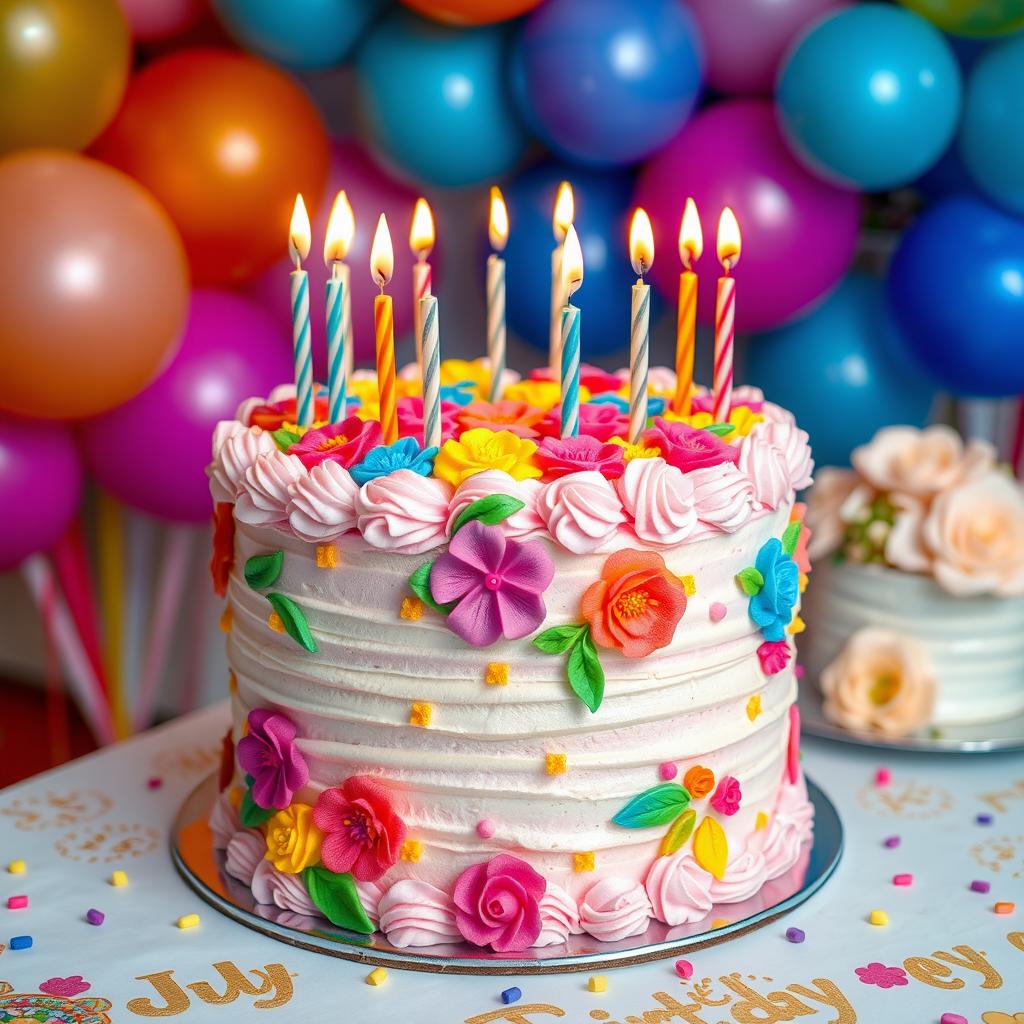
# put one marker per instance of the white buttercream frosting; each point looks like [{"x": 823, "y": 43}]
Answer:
[
  {"x": 281, "y": 889},
  {"x": 403, "y": 512},
  {"x": 523, "y": 523},
  {"x": 723, "y": 496},
  {"x": 416, "y": 913},
  {"x": 265, "y": 489},
  {"x": 559, "y": 916},
  {"x": 223, "y": 821},
  {"x": 581, "y": 510},
  {"x": 323, "y": 504},
  {"x": 679, "y": 888},
  {"x": 660, "y": 500},
  {"x": 615, "y": 908},
  {"x": 235, "y": 449},
  {"x": 243, "y": 854}
]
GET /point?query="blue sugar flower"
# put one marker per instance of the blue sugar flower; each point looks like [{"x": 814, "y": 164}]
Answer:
[
  {"x": 655, "y": 403},
  {"x": 461, "y": 393},
  {"x": 405, "y": 453},
  {"x": 771, "y": 607}
]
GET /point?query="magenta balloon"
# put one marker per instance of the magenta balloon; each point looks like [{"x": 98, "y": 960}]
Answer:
[
  {"x": 40, "y": 487},
  {"x": 371, "y": 191},
  {"x": 799, "y": 234},
  {"x": 151, "y": 451},
  {"x": 744, "y": 40},
  {"x": 158, "y": 19}
]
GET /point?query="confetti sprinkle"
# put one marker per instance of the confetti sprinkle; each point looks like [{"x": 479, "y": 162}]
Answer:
[
  {"x": 597, "y": 983},
  {"x": 1005, "y": 907},
  {"x": 795, "y": 934},
  {"x": 377, "y": 976},
  {"x": 684, "y": 969},
  {"x": 412, "y": 609},
  {"x": 187, "y": 921},
  {"x": 980, "y": 886},
  {"x": 797, "y": 626},
  {"x": 17, "y": 902},
  {"x": 20, "y": 942},
  {"x": 326, "y": 556},
  {"x": 275, "y": 622},
  {"x": 761, "y": 821},
  {"x": 16, "y": 867},
  {"x": 667, "y": 771},
  {"x": 883, "y": 777},
  {"x": 720, "y": 922},
  {"x": 984, "y": 819},
  {"x": 953, "y": 1018},
  {"x": 555, "y": 764},
  {"x": 511, "y": 995},
  {"x": 891, "y": 842},
  {"x": 497, "y": 674},
  {"x": 717, "y": 611},
  {"x": 689, "y": 585},
  {"x": 799, "y": 670},
  {"x": 421, "y": 713},
  {"x": 119, "y": 879},
  {"x": 226, "y": 619},
  {"x": 878, "y": 917},
  {"x": 583, "y": 861},
  {"x": 95, "y": 917},
  {"x": 412, "y": 850},
  {"x": 904, "y": 879},
  {"x": 754, "y": 707},
  {"x": 485, "y": 828},
  {"x": 155, "y": 782}
]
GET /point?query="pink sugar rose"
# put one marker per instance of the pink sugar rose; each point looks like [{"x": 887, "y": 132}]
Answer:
[
  {"x": 347, "y": 443},
  {"x": 497, "y": 904},
  {"x": 410, "y": 418},
  {"x": 561, "y": 456},
  {"x": 593, "y": 378},
  {"x": 774, "y": 656},
  {"x": 686, "y": 447},
  {"x": 726, "y": 798},
  {"x": 601, "y": 420},
  {"x": 66, "y": 988},
  {"x": 751, "y": 397},
  {"x": 270, "y": 756}
]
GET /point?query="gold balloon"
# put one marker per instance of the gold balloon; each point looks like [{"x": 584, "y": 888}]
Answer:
[
  {"x": 63, "y": 69},
  {"x": 981, "y": 19}
]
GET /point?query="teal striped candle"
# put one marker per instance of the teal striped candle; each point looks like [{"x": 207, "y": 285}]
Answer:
[
  {"x": 302, "y": 348},
  {"x": 570, "y": 345},
  {"x": 336, "y": 379}
]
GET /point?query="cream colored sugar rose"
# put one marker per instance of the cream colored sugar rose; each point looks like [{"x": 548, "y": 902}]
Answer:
[
  {"x": 880, "y": 682},
  {"x": 830, "y": 493}
]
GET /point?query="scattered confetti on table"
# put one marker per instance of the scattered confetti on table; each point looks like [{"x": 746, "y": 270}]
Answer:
[
  {"x": 878, "y": 917},
  {"x": 597, "y": 983},
  {"x": 904, "y": 879},
  {"x": 684, "y": 969},
  {"x": 377, "y": 976},
  {"x": 1004, "y": 907},
  {"x": 979, "y": 886},
  {"x": 16, "y": 867},
  {"x": 511, "y": 995},
  {"x": 953, "y": 1018},
  {"x": 891, "y": 842},
  {"x": 188, "y": 921},
  {"x": 17, "y": 902},
  {"x": 20, "y": 942},
  {"x": 795, "y": 934},
  {"x": 119, "y": 879},
  {"x": 984, "y": 819},
  {"x": 95, "y": 917},
  {"x": 883, "y": 777}
]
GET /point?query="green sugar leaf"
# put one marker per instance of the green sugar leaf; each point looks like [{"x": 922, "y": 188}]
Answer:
[
  {"x": 680, "y": 831},
  {"x": 750, "y": 580},
  {"x": 294, "y": 619},
  {"x": 720, "y": 429},
  {"x": 493, "y": 509},
  {"x": 558, "y": 639},
  {"x": 250, "y": 813},
  {"x": 791, "y": 538},
  {"x": 419, "y": 584},
  {"x": 335, "y": 896},
  {"x": 586, "y": 676},
  {"x": 261, "y": 571},
  {"x": 655, "y": 806},
  {"x": 284, "y": 439}
]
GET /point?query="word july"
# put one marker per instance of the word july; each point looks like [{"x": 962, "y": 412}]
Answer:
[{"x": 273, "y": 989}]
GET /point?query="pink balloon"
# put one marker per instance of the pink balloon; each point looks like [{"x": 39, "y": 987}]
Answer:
[
  {"x": 744, "y": 40},
  {"x": 371, "y": 191},
  {"x": 157, "y": 19},
  {"x": 799, "y": 234},
  {"x": 151, "y": 452}
]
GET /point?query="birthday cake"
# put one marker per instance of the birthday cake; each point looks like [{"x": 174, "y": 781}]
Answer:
[{"x": 520, "y": 687}]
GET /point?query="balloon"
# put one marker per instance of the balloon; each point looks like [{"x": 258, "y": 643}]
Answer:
[
  {"x": 602, "y": 219},
  {"x": 95, "y": 286},
  {"x": 956, "y": 284},
  {"x": 980, "y": 18},
  {"x": 371, "y": 191},
  {"x": 991, "y": 141},
  {"x": 841, "y": 371},
  {"x": 471, "y": 12},
  {"x": 745, "y": 39},
  {"x": 869, "y": 97},
  {"x": 224, "y": 141},
  {"x": 435, "y": 100},
  {"x": 40, "y": 487},
  {"x": 150, "y": 453},
  {"x": 610, "y": 87},
  {"x": 299, "y": 33},
  {"x": 63, "y": 69},
  {"x": 152, "y": 20},
  {"x": 799, "y": 234}
]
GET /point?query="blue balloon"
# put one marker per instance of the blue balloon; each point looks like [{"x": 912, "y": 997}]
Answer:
[
  {"x": 956, "y": 284},
  {"x": 991, "y": 140},
  {"x": 869, "y": 96},
  {"x": 435, "y": 99},
  {"x": 840, "y": 370},
  {"x": 609, "y": 81},
  {"x": 602, "y": 222},
  {"x": 298, "y": 33}
]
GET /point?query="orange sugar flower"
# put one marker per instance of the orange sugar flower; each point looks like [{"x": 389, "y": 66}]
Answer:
[
  {"x": 518, "y": 417},
  {"x": 699, "y": 781}
]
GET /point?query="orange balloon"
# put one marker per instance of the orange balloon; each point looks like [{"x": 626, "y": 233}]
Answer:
[
  {"x": 95, "y": 286},
  {"x": 224, "y": 141},
  {"x": 471, "y": 12}
]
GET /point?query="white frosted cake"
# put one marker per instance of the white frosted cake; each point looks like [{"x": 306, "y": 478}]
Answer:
[{"x": 520, "y": 688}]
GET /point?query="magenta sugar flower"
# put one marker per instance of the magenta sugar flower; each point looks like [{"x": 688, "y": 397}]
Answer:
[
  {"x": 727, "y": 796},
  {"x": 774, "y": 656},
  {"x": 688, "y": 448},
  {"x": 497, "y": 904},
  {"x": 560, "y": 456},
  {"x": 882, "y": 976},
  {"x": 346, "y": 443},
  {"x": 600, "y": 420},
  {"x": 270, "y": 756},
  {"x": 497, "y": 582}
]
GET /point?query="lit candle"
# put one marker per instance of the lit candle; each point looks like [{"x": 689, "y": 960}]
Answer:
[
  {"x": 691, "y": 245},
  {"x": 561, "y": 219},
  {"x": 382, "y": 265},
  {"x": 340, "y": 229},
  {"x": 725, "y": 315},
  {"x": 571, "y": 265},
  {"x": 497, "y": 229},
  {"x": 641, "y": 255},
  {"x": 431, "y": 347},
  {"x": 299, "y": 239},
  {"x": 421, "y": 241}
]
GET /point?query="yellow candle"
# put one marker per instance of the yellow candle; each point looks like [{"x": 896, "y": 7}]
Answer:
[
  {"x": 382, "y": 265},
  {"x": 565, "y": 209},
  {"x": 691, "y": 245},
  {"x": 421, "y": 241}
]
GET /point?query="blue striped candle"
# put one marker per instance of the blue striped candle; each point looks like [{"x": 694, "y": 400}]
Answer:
[
  {"x": 570, "y": 345},
  {"x": 302, "y": 348},
  {"x": 336, "y": 380}
]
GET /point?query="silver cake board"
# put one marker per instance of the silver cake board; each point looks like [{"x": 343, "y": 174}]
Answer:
[{"x": 202, "y": 869}]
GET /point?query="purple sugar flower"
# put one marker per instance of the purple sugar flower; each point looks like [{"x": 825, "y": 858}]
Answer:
[{"x": 270, "y": 756}]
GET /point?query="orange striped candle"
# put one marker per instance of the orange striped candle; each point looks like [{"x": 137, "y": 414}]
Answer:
[
  {"x": 691, "y": 245},
  {"x": 382, "y": 265}
]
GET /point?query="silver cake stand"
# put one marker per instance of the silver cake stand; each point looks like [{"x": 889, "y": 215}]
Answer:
[{"x": 202, "y": 868}]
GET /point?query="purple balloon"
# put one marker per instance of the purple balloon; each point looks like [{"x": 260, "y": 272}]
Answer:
[
  {"x": 151, "y": 452},
  {"x": 799, "y": 233},
  {"x": 40, "y": 487},
  {"x": 746, "y": 39}
]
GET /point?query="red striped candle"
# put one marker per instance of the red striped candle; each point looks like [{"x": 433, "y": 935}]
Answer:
[{"x": 725, "y": 315}]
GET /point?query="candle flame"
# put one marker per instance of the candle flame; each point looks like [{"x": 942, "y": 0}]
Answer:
[
  {"x": 728, "y": 240},
  {"x": 497, "y": 228},
  {"x": 641, "y": 242},
  {"x": 300, "y": 233},
  {"x": 421, "y": 233},
  {"x": 565, "y": 212},
  {"x": 691, "y": 237},
  {"x": 341, "y": 227},
  {"x": 382, "y": 255},
  {"x": 572, "y": 261}
]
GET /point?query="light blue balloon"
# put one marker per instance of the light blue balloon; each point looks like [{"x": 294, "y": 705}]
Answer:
[
  {"x": 841, "y": 370},
  {"x": 435, "y": 102},
  {"x": 991, "y": 141},
  {"x": 298, "y": 33},
  {"x": 869, "y": 96}
]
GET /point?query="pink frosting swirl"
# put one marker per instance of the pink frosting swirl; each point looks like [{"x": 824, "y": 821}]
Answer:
[
  {"x": 235, "y": 449},
  {"x": 403, "y": 512},
  {"x": 722, "y": 496},
  {"x": 281, "y": 890},
  {"x": 744, "y": 875},
  {"x": 414, "y": 913},
  {"x": 244, "y": 852},
  {"x": 788, "y": 830},
  {"x": 679, "y": 889},
  {"x": 223, "y": 821},
  {"x": 323, "y": 504},
  {"x": 764, "y": 466},
  {"x": 265, "y": 492},
  {"x": 559, "y": 917},
  {"x": 772, "y": 412},
  {"x": 614, "y": 909},
  {"x": 497, "y": 481},
  {"x": 370, "y": 894},
  {"x": 792, "y": 442},
  {"x": 660, "y": 499},
  {"x": 582, "y": 511}
]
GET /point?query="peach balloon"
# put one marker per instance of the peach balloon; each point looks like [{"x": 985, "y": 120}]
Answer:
[{"x": 95, "y": 286}]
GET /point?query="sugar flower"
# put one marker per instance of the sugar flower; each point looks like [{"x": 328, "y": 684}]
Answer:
[
  {"x": 269, "y": 754},
  {"x": 541, "y": 394},
  {"x": 410, "y": 417},
  {"x": 222, "y": 561},
  {"x": 774, "y": 656},
  {"x": 458, "y": 394},
  {"x": 727, "y": 797},
  {"x": 517, "y": 417},
  {"x": 405, "y": 453},
  {"x": 882, "y": 976},
  {"x": 640, "y": 450},
  {"x": 601, "y": 420},
  {"x": 596, "y": 380},
  {"x": 293, "y": 840},
  {"x": 699, "y": 781},
  {"x": 274, "y": 415},
  {"x": 748, "y": 397},
  {"x": 480, "y": 449},
  {"x": 347, "y": 443},
  {"x": 560, "y": 456},
  {"x": 771, "y": 607},
  {"x": 687, "y": 448},
  {"x": 497, "y": 904}
]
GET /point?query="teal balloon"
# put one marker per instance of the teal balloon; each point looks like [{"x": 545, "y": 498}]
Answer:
[
  {"x": 435, "y": 101},
  {"x": 991, "y": 141},
  {"x": 841, "y": 371},
  {"x": 869, "y": 96},
  {"x": 298, "y": 33}
]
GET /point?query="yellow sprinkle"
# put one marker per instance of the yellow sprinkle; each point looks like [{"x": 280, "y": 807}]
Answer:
[
  {"x": 188, "y": 921},
  {"x": 226, "y": 619},
  {"x": 275, "y": 623},
  {"x": 119, "y": 878},
  {"x": 377, "y": 976},
  {"x": 421, "y": 713},
  {"x": 597, "y": 983},
  {"x": 235, "y": 796},
  {"x": 878, "y": 917},
  {"x": 412, "y": 609},
  {"x": 554, "y": 764},
  {"x": 232, "y": 683},
  {"x": 754, "y": 706},
  {"x": 497, "y": 674},
  {"x": 802, "y": 581},
  {"x": 720, "y": 922},
  {"x": 688, "y": 585},
  {"x": 583, "y": 861},
  {"x": 326, "y": 556},
  {"x": 761, "y": 822},
  {"x": 16, "y": 867},
  {"x": 412, "y": 850},
  {"x": 796, "y": 626}
]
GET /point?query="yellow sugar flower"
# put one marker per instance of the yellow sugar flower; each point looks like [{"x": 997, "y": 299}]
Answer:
[
  {"x": 635, "y": 451},
  {"x": 363, "y": 388},
  {"x": 368, "y": 410},
  {"x": 454, "y": 371},
  {"x": 541, "y": 394},
  {"x": 293, "y": 841},
  {"x": 742, "y": 419},
  {"x": 480, "y": 449}
]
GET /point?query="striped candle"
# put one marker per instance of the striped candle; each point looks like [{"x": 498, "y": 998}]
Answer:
[
  {"x": 725, "y": 315},
  {"x": 561, "y": 219},
  {"x": 384, "y": 331},
  {"x": 299, "y": 237},
  {"x": 336, "y": 379},
  {"x": 569, "y": 347},
  {"x": 639, "y": 359},
  {"x": 431, "y": 347},
  {"x": 421, "y": 241},
  {"x": 349, "y": 357},
  {"x": 691, "y": 245},
  {"x": 422, "y": 286},
  {"x": 496, "y": 322},
  {"x": 341, "y": 229}
]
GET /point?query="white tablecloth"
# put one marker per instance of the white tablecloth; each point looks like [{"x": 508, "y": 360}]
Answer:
[{"x": 945, "y": 947}]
